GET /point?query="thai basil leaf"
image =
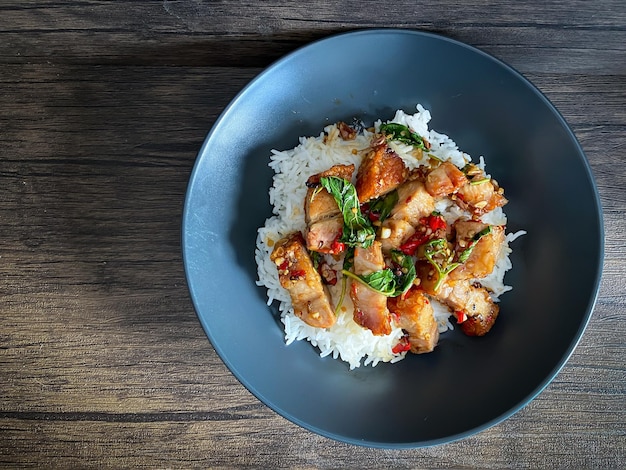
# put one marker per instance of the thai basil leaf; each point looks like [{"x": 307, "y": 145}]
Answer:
[
  {"x": 384, "y": 204},
  {"x": 382, "y": 281},
  {"x": 348, "y": 258},
  {"x": 404, "y": 281},
  {"x": 402, "y": 133},
  {"x": 465, "y": 254},
  {"x": 436, "y": 252},
  {"x": 316, "y": 258},
  {"x": 389, "y": 282},
  {"x": 357, "y": 229}
]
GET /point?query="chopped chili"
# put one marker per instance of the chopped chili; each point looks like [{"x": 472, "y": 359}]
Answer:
[
  {"x": 337, "y": 247},
  {"x": 296, "y": 274},
  {"x": 403, "y": 345},
  {"x": 434, "y": 223}
]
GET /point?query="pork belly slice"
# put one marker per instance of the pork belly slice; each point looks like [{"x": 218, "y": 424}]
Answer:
[
  {"x": 414, "y": 202},
  {"x": 319, "y": 203},
  {"x": 370, "y": 307},
  {"x": 480, "y": 195},
  {"x": 322, "y": 214},
  {"x": 323, "y": 236},
  {"x": 296, "y": 273},
  {"x": 472, "y": 303},
  {"x": 381, "y": 171},
  {"x": 393, "y": 233},
  {"x": 444, "y": 180},
  {"x": 415, "y": 316},
  {"x": 485, "y": 253}
]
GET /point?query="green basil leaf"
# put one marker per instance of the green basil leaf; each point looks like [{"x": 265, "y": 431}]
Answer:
[
  {"x": 382, "y": 281},
  {"x": 465, "y": 254},
  {"x": 402, "y": 133},
  {"x": 384, "y": 205},
  {"x": 407, "y": 267},
  {"x": 386, "y": 281},
  {"x": 436, "y": 252},
  {"x": 357, "y": 229}
]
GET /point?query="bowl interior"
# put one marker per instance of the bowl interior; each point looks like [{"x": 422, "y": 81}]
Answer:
[{"x": 467, "y": 384}]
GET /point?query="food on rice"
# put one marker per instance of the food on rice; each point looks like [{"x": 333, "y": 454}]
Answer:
[{"x": 380, "y": 236}]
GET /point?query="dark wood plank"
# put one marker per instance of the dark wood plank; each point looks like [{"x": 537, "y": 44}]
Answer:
[{"x": 536, "y": 36}]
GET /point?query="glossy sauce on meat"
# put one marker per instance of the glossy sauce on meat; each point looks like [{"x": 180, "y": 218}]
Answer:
[
  {"x": 370, "y": 307},
  {"x": 414, "y": 314},
  {"x": 299, "y": 277},
  {"x": 381, "y": 171},
  {"x": 485, "y": 251},
  {"x": 322, "y": 215},
  {"x": 473, "y": 303}
]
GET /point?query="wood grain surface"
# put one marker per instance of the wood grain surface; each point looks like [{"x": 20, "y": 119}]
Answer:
[{"x": 103, "y": 108}]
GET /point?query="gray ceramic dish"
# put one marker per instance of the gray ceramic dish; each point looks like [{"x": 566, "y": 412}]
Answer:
[{"x": 467, "y": 384}]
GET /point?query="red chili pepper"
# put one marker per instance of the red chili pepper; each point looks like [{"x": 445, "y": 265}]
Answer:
[
  {"x": 435, "y": 222},
  {"x": 369, "y": 213},
  {"x": 403, "y": 345},
  {"x": 412, "y": 244},
  {"x": 296, "y": 274},
  {"x": 283, "y": 266},
  {"x": 460, "y": 316},
  {"x": 337, "y": 247}
]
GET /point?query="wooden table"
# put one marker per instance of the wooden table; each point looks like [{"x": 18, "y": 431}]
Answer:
[{"x": 103, "y": 108}]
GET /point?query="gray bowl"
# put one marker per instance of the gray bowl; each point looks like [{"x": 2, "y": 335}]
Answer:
[{"x": 467, "y": 384}]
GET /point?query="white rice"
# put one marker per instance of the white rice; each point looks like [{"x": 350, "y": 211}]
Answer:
[{"x": 346, "y": 340}]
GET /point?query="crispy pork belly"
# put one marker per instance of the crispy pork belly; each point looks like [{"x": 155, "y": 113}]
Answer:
[
  {"x": 414, "y": 203},
  {"x": 370, "y": 307},
  {"x": 444, "y": 180},
  {"x": 323, "y": 235},
  {"x": 485, "y": 252},
  {"x": 381, "y": 171},
  {"x": 393, "y": 233},
  {"x": 322, "y": 215},
  {"x": 480, "y": 194},
  {"x": 319, "y": 203},
  {"x": 472, "y": 303},
  {"x": 415, "y": 316},
  {"x": 296, "y": 273}
]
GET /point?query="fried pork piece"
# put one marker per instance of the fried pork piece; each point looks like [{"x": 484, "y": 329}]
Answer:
[
  {"x": 297, "y": 274},
  {"x": 444, "y": 180},
  {"x": 485, "y": 252},
  {"x": 414, "y": 202},
  {"x": 480, "y": 194},
  {"x": 471, "y": 302},
  {"x": 323, "y": 236},
  {"x": 322, "y": 215},
  {"x": 381, "y": 171},
  {"x": 394, "y": 233},
  {"x": 370, "y": 307},
  {"x": 415, "y": 316}
]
